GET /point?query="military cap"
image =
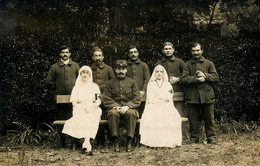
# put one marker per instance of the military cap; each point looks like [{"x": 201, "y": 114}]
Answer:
[{"x": 121, "y": 63}]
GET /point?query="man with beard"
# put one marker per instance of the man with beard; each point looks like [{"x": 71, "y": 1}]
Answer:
[
  {"x": 61, "y": 78},
  {"x": 139, "y": 71},
  {"x": 101, "y": 71},
  {"x": 199, "y": 77},
  {"x": 122, "y": 98}
]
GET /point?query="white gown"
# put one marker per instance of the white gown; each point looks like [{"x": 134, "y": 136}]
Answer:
[
  {"x": 160, "y": 125},
  {"x": 86, "y": 113}
]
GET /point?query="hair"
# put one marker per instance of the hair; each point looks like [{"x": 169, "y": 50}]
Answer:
[
  {"x": 131, "y": 47},
  {"x": 97, "y": 49},
  {"x": 63, "y": 47},
  {"x": 195, "y": 44},
  {"x": 168, "y": 43}
]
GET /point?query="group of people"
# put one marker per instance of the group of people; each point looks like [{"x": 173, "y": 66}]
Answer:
[{"x": 120, "y": 96}]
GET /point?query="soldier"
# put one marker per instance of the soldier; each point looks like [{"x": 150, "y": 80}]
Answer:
[
  {"x": 199, "y": 94},
  {"x": 139, "y": 71},
  {"x": 122, "y": 98}
]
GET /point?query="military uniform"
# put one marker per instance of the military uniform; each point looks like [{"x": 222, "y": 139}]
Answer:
[
  {"x": 101, "y": 74},
  {"x": 200, "y": 96}
]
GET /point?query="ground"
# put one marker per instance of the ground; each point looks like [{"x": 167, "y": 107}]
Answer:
[{"x": 234, "y": 148}]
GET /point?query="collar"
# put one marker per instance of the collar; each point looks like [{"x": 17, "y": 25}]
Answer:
[
  {"x": 95, "y": 65},
  {"x": 129, "y": 61},
  {"x": 164, "y": 58},
  {"x": 197, "y": 60},
  {"x": 62, "y": 62}
]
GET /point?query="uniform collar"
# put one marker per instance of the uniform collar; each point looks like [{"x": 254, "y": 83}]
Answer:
[
  {"x": 164, "y": 58},
  {"x": 95, "y": 65},
  {"x": 129, "y": 61},
  {"x": 61, "y": 63},
  {"x": 197, "y": 60}
]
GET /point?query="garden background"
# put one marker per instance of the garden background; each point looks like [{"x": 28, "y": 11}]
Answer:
[{"x": 31, "y": 32}]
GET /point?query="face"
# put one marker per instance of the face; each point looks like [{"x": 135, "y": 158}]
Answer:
[
  {"x": 159, "y": 73},
  {"x": 98, "y": 56},
  {"x": 121, "y": 72},
  {"x": 65, "y": 54},
  {"x": 196, "y": 52},
  {"x": 85, "y": 75},
  {"x": 133, "y": 54},
  {"x": 168, "y": 50}
]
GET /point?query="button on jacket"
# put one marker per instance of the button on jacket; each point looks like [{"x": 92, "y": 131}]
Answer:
[
  {"x": 121, "y": 92},
  {"x": 101, "y": 74},
  {"x": 138, "y": 71},
  {"x": 174, "y": 67},
  {"x": 62, "y": 77},
  {"x": 200, "y": 92}
]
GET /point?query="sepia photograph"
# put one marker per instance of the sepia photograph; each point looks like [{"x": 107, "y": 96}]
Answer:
[{"x": 129, "y": 82}]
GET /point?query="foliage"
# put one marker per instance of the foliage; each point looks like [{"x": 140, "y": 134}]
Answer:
[{"x": 32, "y": 31}]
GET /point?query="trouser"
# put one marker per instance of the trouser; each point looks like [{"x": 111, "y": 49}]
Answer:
[
  {"x": 63, "y": 111},
  {"x": 130, "y": 118},
  {"x": 206, "y": 111}
]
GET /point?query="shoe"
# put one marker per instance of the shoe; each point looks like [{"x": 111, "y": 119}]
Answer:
[
  {"x": 129, "y": 145},
  {"x": 212, "y": 141},
  {"x": 194, "y": 141},
  {"x": 116, "y": 146}
]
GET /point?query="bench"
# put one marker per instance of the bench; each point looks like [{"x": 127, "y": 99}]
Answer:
[{"x": 62, "y": 99}]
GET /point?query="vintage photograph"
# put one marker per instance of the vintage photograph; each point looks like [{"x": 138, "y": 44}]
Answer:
[{"x": 129, "y": 82}]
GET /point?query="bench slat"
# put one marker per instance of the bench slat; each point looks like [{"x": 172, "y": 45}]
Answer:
[
  {"x": 178, "y": 96},
  {"x": 61, "y": 122}
]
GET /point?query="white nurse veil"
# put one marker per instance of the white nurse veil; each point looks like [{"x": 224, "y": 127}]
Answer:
[
  {"x": 165, "y": 76},
  {"x": 79, "y": 81}
]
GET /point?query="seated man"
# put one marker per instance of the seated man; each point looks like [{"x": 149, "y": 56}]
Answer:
[{"x": 122, "y": 97}]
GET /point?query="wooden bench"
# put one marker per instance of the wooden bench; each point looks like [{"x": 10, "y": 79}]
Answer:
[{"x": 62, "y": 99}]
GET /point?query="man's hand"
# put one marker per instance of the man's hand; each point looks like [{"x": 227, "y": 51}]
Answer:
[
  {"x": 201, "y": 79},
  {"x": 122, "y": 110},
  {"x": 142, "y": 94},
  {"x": 200, "y": 74},
  {"x": 174, "y": 80}
]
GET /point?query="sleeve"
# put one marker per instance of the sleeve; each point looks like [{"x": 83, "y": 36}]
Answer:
[
  {"x": 186, "y": 78},
  {"x": 150, "y": 95},
  {"x": 74, "y": 94},
  {"x": 147, "y": 76},
  {"x": 106, "y": 97},
  {"x": 136, "y": 100},
  {"x": 97, "y": 95},
  {"x": 212, "y": 75},
  {"x": 183, "y": 68},
  {"x": 77, "y": 70},
  {"x": 111, "y": 73},
  {"x": 50, "y": 80}
]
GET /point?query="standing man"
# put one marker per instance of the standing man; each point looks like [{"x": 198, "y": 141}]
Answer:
[
  {"x": 101, "y": 71},
  {"x": 199, "y": 94},
  {"x": 61, "y": 78},
  {"x": 138, "y": 71},
  {"x": 122, "y": 98},
  {"x": 174, "y": 67}
]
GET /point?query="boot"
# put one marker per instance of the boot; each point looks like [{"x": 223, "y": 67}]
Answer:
[
  {"x": 129, "y": 144},
  {"x": 116, "y": 145}
]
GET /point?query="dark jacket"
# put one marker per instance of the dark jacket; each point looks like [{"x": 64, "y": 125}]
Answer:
[
  {"x": 174, "y": 67},
  {"x": 138, "y": 71},
  {"x": 62, "y": 77},
  {"x": 195, "y": 91},
  {"x": 101, "y": 74},
  {"x": 121, "y": 93}
]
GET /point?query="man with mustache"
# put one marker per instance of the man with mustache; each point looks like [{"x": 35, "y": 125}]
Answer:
[
  {"x": 199, "y": 77},
  {"x": 61, "y": 78},
  {"x": 101, "y": 71},
  {"x": 122, "y": 97},
  {"x": 139, "y": 71}
]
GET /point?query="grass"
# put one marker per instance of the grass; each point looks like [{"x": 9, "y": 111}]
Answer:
[{"x": 238, "y": 145}]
